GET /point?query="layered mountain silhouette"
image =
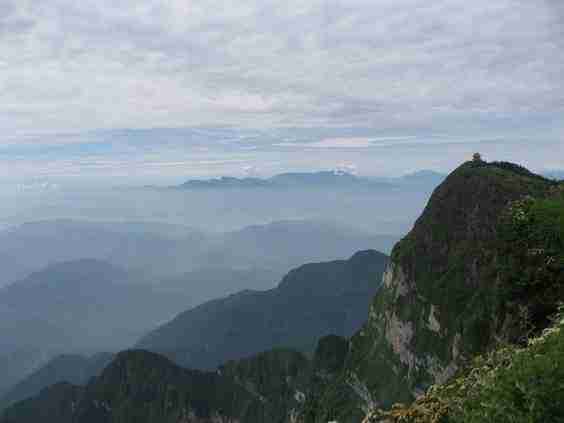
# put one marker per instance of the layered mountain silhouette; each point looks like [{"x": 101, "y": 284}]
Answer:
[
  {"x": 77, "y": 306},
  {"x": 328, "y": 179},
  {"x": 81, "y": 306},
  {"x": 71, "y": 305},
  {"x": 143, "y": 387},
  {"x": 311, "y": 301},
  {"x": 156, "y": 251},
  {"x": 487, "y": 250},
  {"x": 285, "y": 180}
]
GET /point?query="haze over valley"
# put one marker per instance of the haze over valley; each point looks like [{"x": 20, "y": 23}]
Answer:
[
  {"x": 66, "y": 281},
  {"x": 320, "y": 211}
]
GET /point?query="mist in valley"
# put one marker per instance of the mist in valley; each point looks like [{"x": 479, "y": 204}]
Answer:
[{"x": 94, "y": 270}]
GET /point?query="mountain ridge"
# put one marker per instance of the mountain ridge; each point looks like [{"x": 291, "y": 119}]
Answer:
[
  {"x": 326, "y": 297},
  {"x": 441, "y": 300},
  {"x": 319, "y": 179}
]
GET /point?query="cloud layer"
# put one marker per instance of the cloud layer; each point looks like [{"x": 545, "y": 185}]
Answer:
[
  {"x": 389, "y": 64},
  {"x": 257, "y": 87}
]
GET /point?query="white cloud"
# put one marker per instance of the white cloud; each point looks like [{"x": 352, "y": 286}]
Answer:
[
  {"x": 385, "y": 63},
  {"x": 354, "y": 142},
  {"x": 376, "y": 74}
]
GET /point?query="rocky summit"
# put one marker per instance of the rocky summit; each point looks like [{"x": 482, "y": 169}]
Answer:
[{"x": 450, "y": 291}]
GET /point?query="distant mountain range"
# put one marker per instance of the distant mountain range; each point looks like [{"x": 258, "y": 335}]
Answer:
[
  {"x": 321, "y": 179},
  {"x": 78, "y": 306},
  {"x": 311, "y": 301},
  {"x": 304, "y": 180},
  {"x": 70, "y": 306},
  {"x": 330, "y": 179},
  {"x": 155, "y": 252}
]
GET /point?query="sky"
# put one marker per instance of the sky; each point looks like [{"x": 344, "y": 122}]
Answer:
[{"x": 95, "y": 89}]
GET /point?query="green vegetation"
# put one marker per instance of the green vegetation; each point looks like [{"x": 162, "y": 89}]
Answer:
[
  {"x": 278, "y": 377},
  {"x": 522, "y": 379},
  {"x": 457, "y": 265},
  {"x": 508, "y": 385},
  {"x": 141, "y": 387},
  {"x": 520, "y": 386},
  {"x": 532, "y": 255}
]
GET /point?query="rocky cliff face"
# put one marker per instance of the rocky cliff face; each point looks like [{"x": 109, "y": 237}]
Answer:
[{"x": 440, "y": 300}]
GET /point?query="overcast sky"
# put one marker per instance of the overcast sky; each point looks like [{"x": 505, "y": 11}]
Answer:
[{"x": 490, "y": 72}]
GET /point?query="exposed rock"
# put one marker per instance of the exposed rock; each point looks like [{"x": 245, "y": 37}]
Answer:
[
  {"x": 399, "y": 335},
  {"x": 433, "y": 323},
  {"x": 436, "y": 306}
]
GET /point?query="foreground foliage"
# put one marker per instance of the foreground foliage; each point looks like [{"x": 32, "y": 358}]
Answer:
[
  {"x": 521, "y": 381},
  {"x": 509, "y": 385}
]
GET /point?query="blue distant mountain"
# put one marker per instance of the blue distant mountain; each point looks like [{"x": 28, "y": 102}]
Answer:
[
  {"x": 321, "y": 179},
  {"x": 225, "y": 182},
  {"x": 329, "y": 178}
]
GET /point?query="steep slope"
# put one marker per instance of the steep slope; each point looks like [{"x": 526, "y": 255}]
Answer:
[
  {"x": 71, "y": 368},
  {"x": 311, "y": 301},
  {"x": 511, "y": 384},
  {"x": 446, "y": 294},
  {"x": 276, "y": 377}
]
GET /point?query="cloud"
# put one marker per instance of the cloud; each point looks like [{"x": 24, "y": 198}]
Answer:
[
  {"x": 389, "y": 85},
  {"x": 354, "y": 142},
  {"x": 389, "y": 64},
  {"x": 346, "y": 168}
]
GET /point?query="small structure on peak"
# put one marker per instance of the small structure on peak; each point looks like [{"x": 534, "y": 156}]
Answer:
[{"x": 477, "y": 157}]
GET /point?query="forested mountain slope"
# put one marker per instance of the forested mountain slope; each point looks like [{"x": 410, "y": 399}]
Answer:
[
  {"x": 483, "y": 264},
  {"x": 311, "y": 301}
]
